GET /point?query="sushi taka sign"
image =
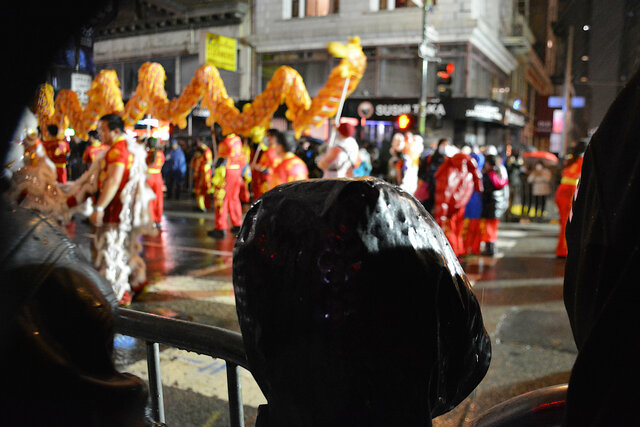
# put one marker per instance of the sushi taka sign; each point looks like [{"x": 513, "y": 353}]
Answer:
[{"x": 389, "y": 109}]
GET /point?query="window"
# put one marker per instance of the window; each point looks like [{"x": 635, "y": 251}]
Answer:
[
  {"x": 396, "y": 4},
  {"x": 295, "y": 8},
  {"x": 405, "y": 3},
  {"x": 302, "y": 8}
]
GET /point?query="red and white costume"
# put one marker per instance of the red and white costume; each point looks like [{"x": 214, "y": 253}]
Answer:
[{"x": 456, "y": 180}]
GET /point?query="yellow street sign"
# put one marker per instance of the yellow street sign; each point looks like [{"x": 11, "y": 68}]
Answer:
[{"x": 221, "y": 51}]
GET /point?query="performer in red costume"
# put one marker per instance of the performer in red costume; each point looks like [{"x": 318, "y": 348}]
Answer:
[
  {"x": 227, "y": 181},
  {"x": 290, "y": 167},
  {"x": 94, "y": 148},
  {"x": 566, "y": 192},
  {"x": 114, "y": 175},
  {"x": 262, "y": 166},
  {"x": 57, "y": 150},
  {"x": 201, "y": 166},
  {"x": 456, "y": 180},
  {"x": 155, "y": 160}
]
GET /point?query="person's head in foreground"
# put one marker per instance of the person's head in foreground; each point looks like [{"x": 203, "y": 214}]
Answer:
[{"x": 354, "y": 309}]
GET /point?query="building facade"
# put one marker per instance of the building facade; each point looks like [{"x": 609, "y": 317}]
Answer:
[
  {"x": 174, "y": 33},
  {"x": 493, "y": 88},
  {"x": 499, "y": 73}
]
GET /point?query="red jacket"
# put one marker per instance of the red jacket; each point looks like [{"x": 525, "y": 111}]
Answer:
[{"x": 455, "y": 180}]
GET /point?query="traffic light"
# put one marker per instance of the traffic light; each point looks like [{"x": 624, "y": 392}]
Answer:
[
  {"x": 444, "y": 79},
  {"x": 404, "y": 121}
]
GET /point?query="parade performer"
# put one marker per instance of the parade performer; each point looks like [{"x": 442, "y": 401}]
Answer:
[
  {"x": 290, "y": 167},
  {"x": 57, "y": 150},
  {"x": 155, "y": 160},
  {"x": 397, "y": 144},
  {"x": 425, "y": 192},
  {"x": 262, "y": 166},
  {"x": 342, "y": 157},
  {"x": 245, "y": 193},
  {"x": 456, "y": 179},
  {"x": 34, "y": 186},
  {"x": 201, "y": 166},
  {"x": 94, "y": 148},
  {"x": 473, "y": 212},
  {"x": 565, "y": 194},
  {"x": 495, "y": 200},
  {"x": 407, "y": 158},
  {"x": 121, "y": 210},
  {"x": 227, "y": 181}
]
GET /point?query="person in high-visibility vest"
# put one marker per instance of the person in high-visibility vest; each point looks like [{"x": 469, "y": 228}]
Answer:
[
  {"x": 57, "y": 150},
  {"x": 155, "y": 160},
  {"x": 227, "y": 181},
  {"x": 565, "y": 194}
]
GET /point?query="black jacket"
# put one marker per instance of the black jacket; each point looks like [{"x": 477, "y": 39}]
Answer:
[
  {"x": 601, "y": 290},
  {"x": 494, "y": 200}
]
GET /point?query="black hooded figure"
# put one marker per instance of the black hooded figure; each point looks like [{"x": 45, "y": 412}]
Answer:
[
  {"x": 354, "y": 309},
  {"x": 601, "y": 287}
]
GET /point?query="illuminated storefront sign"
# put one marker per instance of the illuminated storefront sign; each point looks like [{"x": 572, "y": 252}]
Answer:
[{"x": 484, "y": 112}]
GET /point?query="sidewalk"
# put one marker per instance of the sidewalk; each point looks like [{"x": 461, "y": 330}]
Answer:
[{"x": 520, "y": 295}]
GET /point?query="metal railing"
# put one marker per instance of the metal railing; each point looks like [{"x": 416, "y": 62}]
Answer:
[
  {"x": 543, "y": 407},
  {"x": 203, "y": 339}
]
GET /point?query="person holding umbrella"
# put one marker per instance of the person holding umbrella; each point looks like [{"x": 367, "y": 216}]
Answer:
[{"x": 540, "y": 179}]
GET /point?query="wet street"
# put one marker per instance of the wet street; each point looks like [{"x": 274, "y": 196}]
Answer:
[{"x": 520, "y": 293}]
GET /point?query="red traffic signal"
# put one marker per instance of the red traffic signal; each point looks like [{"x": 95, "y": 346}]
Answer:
[
  {"x": 450, "y": 68},
  {"x": 443, "y": 79},
  {"x": 444, "y": 72}
]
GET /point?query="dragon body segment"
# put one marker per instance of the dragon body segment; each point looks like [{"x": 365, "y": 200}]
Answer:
[{"x": 286, "y": 86}]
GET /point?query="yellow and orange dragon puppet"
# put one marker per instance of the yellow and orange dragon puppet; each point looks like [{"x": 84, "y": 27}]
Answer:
[{"x": 286, "y": 86}]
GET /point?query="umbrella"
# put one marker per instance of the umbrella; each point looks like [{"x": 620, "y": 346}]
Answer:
[{"x": 549, "y": 159}]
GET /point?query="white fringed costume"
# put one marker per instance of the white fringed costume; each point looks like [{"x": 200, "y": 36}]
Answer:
[
  {"x": 116, "y": 249},
  {"x": 116, "y": 246}
]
